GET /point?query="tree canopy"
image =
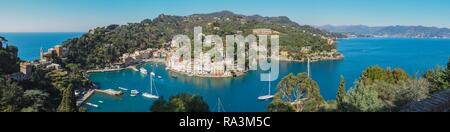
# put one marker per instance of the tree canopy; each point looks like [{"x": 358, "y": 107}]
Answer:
[
  {"x": 297, "y": 93},
  {"x": 104, "y": 45},
  {"x": 341, "y": 95},
  {"x": 9, "y": 62},
  {"x": 180, "y": 103},
  {"x": 381, "y": 89}
]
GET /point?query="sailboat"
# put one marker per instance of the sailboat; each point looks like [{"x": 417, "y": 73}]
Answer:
[
  {"x": 308, "y": 68},
  {"x": 268, "y": 96},
  {"x": 152, "y": 83}
]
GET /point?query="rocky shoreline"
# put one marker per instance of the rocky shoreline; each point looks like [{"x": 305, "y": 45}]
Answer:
[{"x": 315, "y": 59}]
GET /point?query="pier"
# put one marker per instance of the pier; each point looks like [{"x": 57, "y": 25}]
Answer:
[
  {"x": 92, "y": 92},
  {"x": 85, "y": 97}
]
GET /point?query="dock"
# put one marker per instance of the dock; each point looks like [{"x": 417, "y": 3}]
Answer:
[
  {"x": 92, "y": 91},
  {"x": 85, "y": 97}
]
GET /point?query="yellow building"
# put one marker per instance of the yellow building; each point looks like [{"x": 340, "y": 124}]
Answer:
[{"x": 26, "y": 68}]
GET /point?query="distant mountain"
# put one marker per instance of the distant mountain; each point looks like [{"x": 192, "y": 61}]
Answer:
[{"x": 389, "y": 31}]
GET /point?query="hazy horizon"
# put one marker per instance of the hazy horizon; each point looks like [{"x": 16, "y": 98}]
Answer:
[{"x": 83, "y": 15}]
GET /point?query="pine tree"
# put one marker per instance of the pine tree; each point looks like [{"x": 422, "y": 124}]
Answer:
[{"x": 341, "y": 95}]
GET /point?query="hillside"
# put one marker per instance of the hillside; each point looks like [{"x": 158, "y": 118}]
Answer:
[{"x": 104, "y": 45}]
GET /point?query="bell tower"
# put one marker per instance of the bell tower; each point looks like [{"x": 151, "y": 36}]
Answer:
[{"x": 41, "y": 54}]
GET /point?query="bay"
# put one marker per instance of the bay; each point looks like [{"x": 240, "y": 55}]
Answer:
[{"x": 240, "y": 94}]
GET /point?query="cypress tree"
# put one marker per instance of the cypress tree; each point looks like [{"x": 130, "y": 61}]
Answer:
[
  {"x": 341, "y": 95},
  {"x": 68, "y": 103}
]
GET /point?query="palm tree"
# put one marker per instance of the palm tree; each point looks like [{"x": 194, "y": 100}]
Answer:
[{"x": 2, "y": 39}]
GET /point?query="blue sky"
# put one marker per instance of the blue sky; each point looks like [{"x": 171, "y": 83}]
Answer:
[{"x": 82, "y": 15}]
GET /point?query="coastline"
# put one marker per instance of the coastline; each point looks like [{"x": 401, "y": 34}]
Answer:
[
  {"x": 207, "y": 76},
  {"x": 340, "y": 57},
  {"x": 132, "y": 67},
  {"x": 106, "y": 70},
  {"x": 162, "y": 61}
]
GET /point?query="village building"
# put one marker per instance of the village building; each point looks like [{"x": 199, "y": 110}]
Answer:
[
  {"x": 204, "y": 65},
  {"x": 46, "y": 57},
  {"x": 58, "y": 50},
  {"x": 26, "y": 68}
]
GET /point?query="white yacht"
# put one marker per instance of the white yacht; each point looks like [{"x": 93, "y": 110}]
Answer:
[
  {"x": 266, "y": 97},
  {"x": 93, "y": 105},
  {"x": 134, "y": 92},
  {"x": 124, "y": 89},
  {"x": 143, "y": 71},
  {"x": 151, "y": 96}
]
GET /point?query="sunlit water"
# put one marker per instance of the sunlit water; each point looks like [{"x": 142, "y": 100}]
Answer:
[{"x": 240, "y": 94}]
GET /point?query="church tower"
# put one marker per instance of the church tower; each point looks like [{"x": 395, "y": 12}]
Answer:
[{"x": 41, "y": 54}]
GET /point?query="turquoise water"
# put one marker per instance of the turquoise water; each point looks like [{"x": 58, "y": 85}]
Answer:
[
  {"x": 240, "y": 94},
  {"x": 30, "y": 43}
]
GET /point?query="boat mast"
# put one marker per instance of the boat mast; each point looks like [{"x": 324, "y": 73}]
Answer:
[
  {"x": 270, "y": 80},
  {"x": 151, "y": 84},
  {"x": 308, "y": 68},
  {"x": 151, "y": 80}
]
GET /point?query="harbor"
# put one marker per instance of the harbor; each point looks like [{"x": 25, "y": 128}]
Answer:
[{"x": 241, "y": 94}]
